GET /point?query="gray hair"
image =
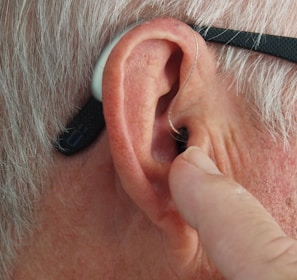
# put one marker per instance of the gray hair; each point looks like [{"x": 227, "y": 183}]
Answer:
[{"x": 47, "y": 53}]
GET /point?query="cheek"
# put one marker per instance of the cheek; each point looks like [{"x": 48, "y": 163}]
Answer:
[{"x": 272, "y": 179}]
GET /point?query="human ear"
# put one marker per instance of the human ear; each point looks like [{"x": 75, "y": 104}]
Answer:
[{"x": 149, "y": 69}]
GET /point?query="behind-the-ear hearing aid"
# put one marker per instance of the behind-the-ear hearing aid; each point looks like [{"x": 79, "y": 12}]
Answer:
[{"x": 89, "y": 122}]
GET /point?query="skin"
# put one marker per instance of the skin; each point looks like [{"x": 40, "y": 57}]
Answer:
[{"x": 110, "y": 213}]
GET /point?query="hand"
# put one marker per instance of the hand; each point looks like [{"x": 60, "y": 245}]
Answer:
[{"x": 238, "y": 234}]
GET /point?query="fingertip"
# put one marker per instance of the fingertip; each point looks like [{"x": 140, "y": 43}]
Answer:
[{"x": 200, "y": 159}]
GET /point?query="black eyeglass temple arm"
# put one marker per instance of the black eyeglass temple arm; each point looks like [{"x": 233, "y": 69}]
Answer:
[{"x": 278, "y": 46}]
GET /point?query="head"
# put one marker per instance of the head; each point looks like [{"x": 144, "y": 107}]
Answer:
[{"x": 112, "y": 199}]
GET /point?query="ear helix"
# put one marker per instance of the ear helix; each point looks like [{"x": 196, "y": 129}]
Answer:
[{"x": 101, "y": 62}]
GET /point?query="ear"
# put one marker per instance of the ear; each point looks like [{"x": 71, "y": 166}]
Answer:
[{"x": 145, "y": 72}]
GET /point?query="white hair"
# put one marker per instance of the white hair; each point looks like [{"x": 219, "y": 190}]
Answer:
[{"x": 47, "y": 53}]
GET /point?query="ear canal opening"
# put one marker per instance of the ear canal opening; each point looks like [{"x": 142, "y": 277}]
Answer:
[{"x": 181, "y": 139}]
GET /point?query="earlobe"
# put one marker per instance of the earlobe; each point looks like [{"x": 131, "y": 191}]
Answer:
[{"x": 143, "y": 74}]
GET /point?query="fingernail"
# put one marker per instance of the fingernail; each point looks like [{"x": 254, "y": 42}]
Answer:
[{"x": 194, "y": 155}]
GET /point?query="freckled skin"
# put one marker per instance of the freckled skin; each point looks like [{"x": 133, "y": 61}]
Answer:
[{"x": 275, "y": 184}]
